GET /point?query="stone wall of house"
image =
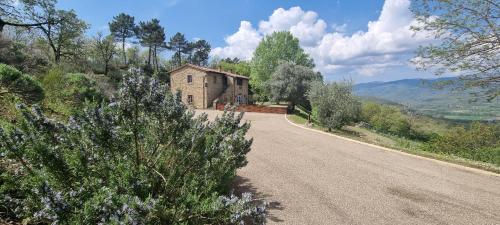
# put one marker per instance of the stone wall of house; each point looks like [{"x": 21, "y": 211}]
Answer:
[
  {"x": 178, "y": 82},
  {"x": 215, "y": 87},
  {"x": 234, "y": 89}
]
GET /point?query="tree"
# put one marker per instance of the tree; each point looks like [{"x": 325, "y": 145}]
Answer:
[
  {"x": 105, "y": 49},
  {"x": 234, "y": 65},
  {"x": 180, "y": 46},
  {"x": 23, "y": 53},
  {"x": 291, "y": 82},
  {"x": 122, "y": 27},
  {"x": 142, "y": 159},
  {"x": 333, "y": 104},
  {"x": 469, "y": 40},
  {"x": 65, "y": 34},
  {"x": 12, "y": 81},
  {"x": 199, "y": 52},
  {"x": 152, "y": 35},
  {"x": 274, "y": 49},
  {"x": 12, "y": 15}
]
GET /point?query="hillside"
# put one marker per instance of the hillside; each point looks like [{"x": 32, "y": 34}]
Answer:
[{"x": 422, "y": 96}]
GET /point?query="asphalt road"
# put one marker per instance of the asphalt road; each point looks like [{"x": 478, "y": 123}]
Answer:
[{"x": 314, "y": 178}]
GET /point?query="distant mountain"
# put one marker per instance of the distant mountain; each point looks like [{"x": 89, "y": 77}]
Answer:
[{"x": 423, "y": 96}]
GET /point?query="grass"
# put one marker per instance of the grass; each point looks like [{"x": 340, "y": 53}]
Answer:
[{"x": 392, "y": 142}]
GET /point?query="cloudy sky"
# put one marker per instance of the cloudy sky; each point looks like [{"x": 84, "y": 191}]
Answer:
[{"x": 363, "y": 40}]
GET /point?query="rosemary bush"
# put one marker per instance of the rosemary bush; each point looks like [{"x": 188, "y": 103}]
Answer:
[{"x": 141, "y": 159}]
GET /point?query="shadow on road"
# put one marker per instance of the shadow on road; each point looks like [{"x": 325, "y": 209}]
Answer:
[{"x": 243, "y": 184}]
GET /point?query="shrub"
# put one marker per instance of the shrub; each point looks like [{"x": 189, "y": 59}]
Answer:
[
  {"x": 480, "y": 142},
  {"x": 390, "y": 120},
  {"x": 67, "y": 92},
  {"x": 142, "y": 159},
  {"x": 290, "y": 83},
  {"x": 12, "y": 81},
  {"x": 333, "y": 104}
]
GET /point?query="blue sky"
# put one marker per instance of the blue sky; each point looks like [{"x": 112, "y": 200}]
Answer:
[{"x": 363, "y": 40}]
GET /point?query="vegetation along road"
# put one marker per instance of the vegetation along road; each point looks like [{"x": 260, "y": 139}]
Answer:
[{"x": 312, "y": 178}]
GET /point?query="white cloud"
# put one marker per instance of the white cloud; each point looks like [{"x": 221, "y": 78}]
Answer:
[
  {"x": 304, "y": 25},
  {"x": 387, "y": 42},
  {"x": 339, "y": 28},
  {"x": 241, "y": 44}
]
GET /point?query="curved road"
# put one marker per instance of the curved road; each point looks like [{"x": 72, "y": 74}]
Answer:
[{"x": 314, "y": 178}]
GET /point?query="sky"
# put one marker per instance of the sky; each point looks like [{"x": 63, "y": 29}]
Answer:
[{"x": 359, "y": 40}]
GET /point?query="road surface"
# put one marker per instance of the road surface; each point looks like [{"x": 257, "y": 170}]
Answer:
[{"x": 309, "y": 177}]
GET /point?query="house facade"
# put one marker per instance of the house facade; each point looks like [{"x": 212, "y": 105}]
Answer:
[{"x": 203, "y": 87}]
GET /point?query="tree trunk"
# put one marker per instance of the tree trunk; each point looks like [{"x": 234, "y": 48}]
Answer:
[
  {"x": 156, "y": 58},
  {"x": 179, "y": 58},
  {"x": 106, "y": 68},
  {"x": 124, "y": 53},
  {"x": 2, "y": 24},
  {"x": 57, "y": 57},
  {"x": 149, "y": 56}
]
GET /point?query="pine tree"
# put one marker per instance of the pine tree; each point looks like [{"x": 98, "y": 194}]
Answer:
[{"x": 122, "y": 27}]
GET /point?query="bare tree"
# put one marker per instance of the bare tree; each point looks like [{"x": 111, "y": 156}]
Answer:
[{"x": 105, "y": 49}]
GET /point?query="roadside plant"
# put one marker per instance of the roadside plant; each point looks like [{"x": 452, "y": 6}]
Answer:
[
  {"x": 479, "y": 142},
  {"x": 333, "y": 104},
  {"x": 141, "y": 159},
  {"x": 291, "y": 82}
]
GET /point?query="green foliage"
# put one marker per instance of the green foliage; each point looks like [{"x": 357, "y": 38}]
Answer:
[
  {"x": 121, "y": 28},
  {"x": 152, "y": 35},
  {"x": 104, "y": 48},
  {"x": 68, "y": 92},
  {"x": 180, "y": 46},
  {"x": 389, "y": 119},
  {"x": 142, "y": 159},
  {"x": 291, "y": 83},
  {"x": 234, "y": 65},
  {"x": 12, "y": 81},
  {"x": 333, "y": 104},
  {"x": 64, "y": 34},
  {"x": 273, "y": 50},
  {"x": 199, "y": 52},
  {"x": 480, "y": 142},
  {"x": 23, "y": 55}
]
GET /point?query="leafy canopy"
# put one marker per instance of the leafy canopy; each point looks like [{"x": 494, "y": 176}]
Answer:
[
  {"x": 199, "y": 52},
  {"x": 179, "y": 45},
  {"x": 273, "y": 50},
  {"x": 333, "y": 104},
  {"x": 123, "y": 27},
  {"x": 291, "y": 82}
]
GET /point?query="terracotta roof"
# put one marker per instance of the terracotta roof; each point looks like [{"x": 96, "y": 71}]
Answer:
[{"x": 209, "y": 70}]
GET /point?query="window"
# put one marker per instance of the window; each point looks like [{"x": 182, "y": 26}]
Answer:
[
  {"x": 190, "y": 79},
  {"x": 239, "y": 81},
  {"x": 190, "y": 99},
  {"x": 215, "y": 79}
]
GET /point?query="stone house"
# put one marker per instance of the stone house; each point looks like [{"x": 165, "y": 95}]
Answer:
[{"x": 203, "y": 87}]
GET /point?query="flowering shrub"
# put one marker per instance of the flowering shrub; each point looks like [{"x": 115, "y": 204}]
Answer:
[{"x": 142, "y": 159}]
